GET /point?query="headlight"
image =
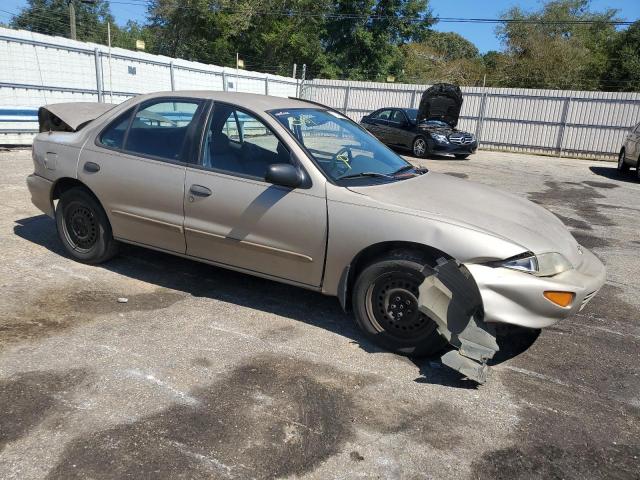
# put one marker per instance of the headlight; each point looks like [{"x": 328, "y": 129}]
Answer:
[
  {"x": 542, "y": 265},
  {"x": 439, "y": 138}
]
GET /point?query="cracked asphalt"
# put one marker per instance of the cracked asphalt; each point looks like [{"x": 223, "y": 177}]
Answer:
[{"x": 206, "y": 373}]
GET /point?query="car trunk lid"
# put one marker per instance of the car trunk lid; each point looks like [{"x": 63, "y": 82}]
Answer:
[{"x": 70, "y": 117}]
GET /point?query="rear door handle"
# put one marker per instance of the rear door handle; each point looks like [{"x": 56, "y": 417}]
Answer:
[
  {"x": 199, "y": 191},
  {"x": 91, "y": 167}
]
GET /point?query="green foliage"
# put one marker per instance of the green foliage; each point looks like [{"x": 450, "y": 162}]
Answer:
[
  {"x": 555, "y": 53},
  {"x": 51, "y": 17},
  {"x": 622, "y": 71},
  {"x": 442, "y": 57}
]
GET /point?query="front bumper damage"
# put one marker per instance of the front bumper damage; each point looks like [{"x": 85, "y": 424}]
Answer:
[
  {"x": 450, "y": 297},
  {"x": 468, "y": 301}
]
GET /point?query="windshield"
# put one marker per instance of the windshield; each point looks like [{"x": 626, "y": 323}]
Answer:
[
  {"x": 340, "y": 147},
  {"x": 412, "y": 113}
]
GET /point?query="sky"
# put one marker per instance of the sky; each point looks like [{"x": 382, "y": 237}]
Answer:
[{"x": 482, "y": 35}]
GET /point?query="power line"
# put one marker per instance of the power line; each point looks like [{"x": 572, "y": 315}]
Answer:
[{"x": 412, "y": 19}]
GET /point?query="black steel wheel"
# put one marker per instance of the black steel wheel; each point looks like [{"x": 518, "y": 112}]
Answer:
[
  {"x": 80, "y": 226},
  {"x": 386, "y": 305},
  {"x": 83, "y": 227},
  {"x": 392, "y": 306}
]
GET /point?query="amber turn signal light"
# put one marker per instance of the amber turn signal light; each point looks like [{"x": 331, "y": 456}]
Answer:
[{"x": 563, "y": 299}]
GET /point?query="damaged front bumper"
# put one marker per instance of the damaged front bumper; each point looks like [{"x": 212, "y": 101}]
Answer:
[
  {"x": 467, "y": 301},
  {"x": 517, "y": 298}
]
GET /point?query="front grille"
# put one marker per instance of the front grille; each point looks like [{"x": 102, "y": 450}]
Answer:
[
  {"x": 461, "y": 138},
  {"x": 586, "y": 299}
]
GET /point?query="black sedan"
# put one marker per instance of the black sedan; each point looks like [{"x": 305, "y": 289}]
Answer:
[{"x": 427, "y": 130}]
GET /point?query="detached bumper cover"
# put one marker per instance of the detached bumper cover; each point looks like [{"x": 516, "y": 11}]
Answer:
[
  {"x": 510, "y": 296},
  {"x": 40, "y": 189}
]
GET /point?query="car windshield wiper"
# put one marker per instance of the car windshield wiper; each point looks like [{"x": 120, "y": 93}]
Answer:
[
  {"x": 403, "y": 169},
  {"x": 365, "y": 174}
]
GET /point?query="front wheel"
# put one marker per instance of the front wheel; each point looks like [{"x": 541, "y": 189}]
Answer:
[
  {"x": 386, "y": 307},
  {"x": 84, "y": 228},
  {"x": 622, "y": 165},
  {"x": 461, "y": 156},
  {"x": 420, "y": 147}
]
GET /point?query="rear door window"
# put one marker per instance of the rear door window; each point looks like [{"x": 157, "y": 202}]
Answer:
[
  {"x": 113, "y": 135},
  {"x": 383, "y": 115},
  {"x": 160, "y": 129},
  {"x": 398, "y": 117}
]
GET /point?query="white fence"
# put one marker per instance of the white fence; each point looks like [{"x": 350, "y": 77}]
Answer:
[
  {"x": 569, "y": 123},
  {"x": 38, "y": 69}
]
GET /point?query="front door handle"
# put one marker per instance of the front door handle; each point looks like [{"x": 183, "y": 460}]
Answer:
[
  {"x": 91, "y": 167},
  {"x": 199, "y": 191}
]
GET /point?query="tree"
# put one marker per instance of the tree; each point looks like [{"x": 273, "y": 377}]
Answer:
[
  {"x": 623, "y": 63},
  {"x": 267, "y": 33},
  {"x": 555, "y": 53},
  {"x": 442, "y": 57},
  {"x": 51, "y": 17},
  {"x": 368, "y": 47}
]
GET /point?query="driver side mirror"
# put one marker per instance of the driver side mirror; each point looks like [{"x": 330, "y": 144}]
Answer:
[{"x": 284, "y": 174}]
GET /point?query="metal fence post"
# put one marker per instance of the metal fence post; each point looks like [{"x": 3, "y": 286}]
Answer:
[
  {"x": 563, "y": 124},
  {"x": 98, "y": 74},
  {"x": 413, "y": 98},
  {"x": 266, "y": 85},
  {"x": 346, "y": 99},
  {"x": 172, "y": 76},
  {"x": 483, "y": 104}
]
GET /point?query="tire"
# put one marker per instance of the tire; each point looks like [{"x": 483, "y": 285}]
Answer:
[
  {"x": 420, "y": 147},
  {"x": 380, "y": 291},
  {"x": 461, "y": 156},
  {"x": 622, "y": 165},
  {"x": 83, "y": 227},
  {"x": 638, "y": 170}
]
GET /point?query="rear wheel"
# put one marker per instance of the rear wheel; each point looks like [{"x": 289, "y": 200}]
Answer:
[
  {"x": 622, "y": 165},
  {"x": 420, "y": 147},
  {"x": 461, "y": 156},
  {"x": 386, "y": 307},
  {"x": 84, "y": 228}
]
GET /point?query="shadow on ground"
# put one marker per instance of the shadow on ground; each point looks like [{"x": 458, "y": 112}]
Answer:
[
  {"x": 201, "y": 280},
  {"x": 613, "y": 174}
]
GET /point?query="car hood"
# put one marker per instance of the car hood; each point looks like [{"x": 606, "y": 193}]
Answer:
[
  {"x": 441, "y": 101},
  {"x": 480, "y": 207}
]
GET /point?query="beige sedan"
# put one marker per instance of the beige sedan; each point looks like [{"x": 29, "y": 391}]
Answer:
[{"x": 296, "y": 192}]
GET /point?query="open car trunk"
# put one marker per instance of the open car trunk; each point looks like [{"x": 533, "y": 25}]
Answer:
[
  {"x": 442, "y": 101},
  {"x": 70, "y": 117}
]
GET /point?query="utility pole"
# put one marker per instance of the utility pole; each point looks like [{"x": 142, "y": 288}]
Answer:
[
  {"x": 295, "y": 66},
  {"x": 304, "y": 73},
  {"x": 72, "y": 19},
  {"x": 237, "y": 68},
  {"x": 72, "y": 15}
]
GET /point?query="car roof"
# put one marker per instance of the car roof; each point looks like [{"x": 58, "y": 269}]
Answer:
[{"x": 250, "y": 101}]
